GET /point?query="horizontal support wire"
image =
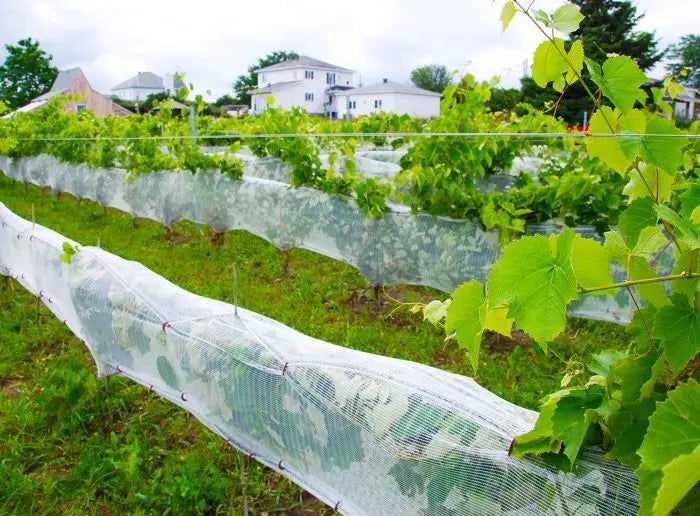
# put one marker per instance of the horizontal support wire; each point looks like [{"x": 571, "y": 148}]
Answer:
[{"x": 572, "y": 135}]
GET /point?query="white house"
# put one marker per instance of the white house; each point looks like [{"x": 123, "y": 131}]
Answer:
[
  {"x": 305, "y": 82},
  {"x": 391, "y": 97},
  {"x": 143, "y": 84}
]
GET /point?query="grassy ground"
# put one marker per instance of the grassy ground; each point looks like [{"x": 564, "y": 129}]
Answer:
[{"x": 72, "y": 444}]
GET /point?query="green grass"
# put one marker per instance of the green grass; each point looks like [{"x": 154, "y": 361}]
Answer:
[{"x": 72, "y": 444}]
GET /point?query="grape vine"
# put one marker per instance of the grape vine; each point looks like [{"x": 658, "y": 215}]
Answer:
[{"x": 641, "y": 405}]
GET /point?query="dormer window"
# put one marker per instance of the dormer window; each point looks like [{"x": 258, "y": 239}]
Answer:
[{"x": 308, "y": 74}]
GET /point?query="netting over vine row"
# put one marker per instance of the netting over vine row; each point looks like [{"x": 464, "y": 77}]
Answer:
[
  {"x": 399, "y": 248},
  {"x": 364, "y": 433}
]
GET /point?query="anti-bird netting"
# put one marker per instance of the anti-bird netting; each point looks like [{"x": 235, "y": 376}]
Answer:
[
  {"x": 399, "y": 248},
  {"x": 364, "y": 433}
]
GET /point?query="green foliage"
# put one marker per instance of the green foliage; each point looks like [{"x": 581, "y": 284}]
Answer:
[
  {"x": 431, "y": 77},
  {"x": 247, "y": 82},
  {"x": 684, "y": 60},
  {"x": 26, "y": 73},
  {"x": 641, "y": 405}
]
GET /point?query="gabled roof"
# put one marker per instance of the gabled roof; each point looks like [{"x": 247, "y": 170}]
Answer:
[
  {"x": 304, "y": 62},
  {"x": 276, "y": 86},
  {"x": 65, "y": 78},
  {"x": 390, "y": 87},
  {"x": 142, "y": 80}
]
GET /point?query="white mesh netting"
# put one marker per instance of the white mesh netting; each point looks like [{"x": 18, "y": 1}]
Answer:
[
  {"x": 399, "y": 248},
  {"x": 366, "y": 434}
]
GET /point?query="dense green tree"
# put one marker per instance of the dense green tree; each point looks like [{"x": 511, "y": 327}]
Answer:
[
  {"x": 685, "y": 55},
  {"x": 608, "y": 27},
  {"x": 249, "y": 81},
  {"x": 225, "y": 100},
  {"x": 504, "y": 99},
  {"x": 431, "y": 77},
  {"x": 26, "y": 73}
]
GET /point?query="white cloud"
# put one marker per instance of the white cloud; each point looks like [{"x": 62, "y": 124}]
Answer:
[{"x": 215, "y": 41}]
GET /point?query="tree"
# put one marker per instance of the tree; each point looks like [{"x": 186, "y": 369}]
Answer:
[
  {"x": 26, "y": 73},
  {"x": 504, "y": 99},
  {"x": 431, "y": 77},
  {"x": 608, "y": 27},
  {"x": 249, "y": 81},
  {"x": 225, "y": 100},
  {"x": 685, "y": 55}
]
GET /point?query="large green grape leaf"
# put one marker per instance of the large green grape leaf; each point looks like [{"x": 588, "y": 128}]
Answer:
[
  {"x": 686, "y": 231},
  {"x": 688, "y": 286},
  {"x": 650, "y": 241},
  {"x": 690, "y": 199},
  {"x": 591, "y": 262},
  {"x": 607, "y": 149},
  {"x": 664, "y": 152},
  {"x": 538, "y": 440},
  {"x": 635, "y": 377},
  {"x": 575, "y": 56},
  {"x": 649, "y": 178},
  {"x": 536, "y": 283},
  {"x": 678, "y": 327},
  {"x": 548, "y": 64},
  {"x": 507, "y": 14},
  {"x": 566, "y": 18},
  {"x": 678, "y": 477},
  {"x": 465, "y": 317},
  {"x": 674, "y": 431},
  {"x": 619, "y": 80},
  {"x": 652, "y": 292},
  {"x": 573, "y": 416},
  {"x": 637, "y": 216},
  {"x": 627, "y": 427}
]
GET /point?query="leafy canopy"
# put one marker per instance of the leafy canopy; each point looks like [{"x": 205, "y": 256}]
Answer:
[{"x": 26, "y": 73}]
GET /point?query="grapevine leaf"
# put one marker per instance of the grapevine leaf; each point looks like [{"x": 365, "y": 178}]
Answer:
[
  {"x": 575, "y": 56},
  {"x": 678, "y": 327},
  {"x": 535, "y": 283},
  {"x": 591, "y": 263},
  {"x": 637, "y": 216},
  {"x": 497, "y": 320},
  {"x": 654, "y": 292},
  {"x": 616, "y": 246},
  {"x": 465, "y": 317},
  {"x": 687, "y": 286},
  {"x": 619, "y": 79},
  {"x": 548, "y": 63},
  {"x": 627, "y": 427},
  {"x": 507, "y": 14},
  {"x": 635, "y": 377},
  {"x": 603, "y": 361},
  {"x": 542, "y": 17},
  {"x": 567, "y": 18},
  {"x": 688, "y": 232},
  {"x": 435, "y": 311},
  {"x": 607, "y": 149},
  {"x": 573, "y": 416},
  {"x": 538, "y": 440},
  {"x": 690, "y": 201},
  {"x": 651, "y": 240},
  {"x": 695, "y": 215},
  {"x": 678, "y": 477},
  {"x": 663, "y": 152},
  {"x": 649, "y": 178},
  {"x": 674, "y": 431}
]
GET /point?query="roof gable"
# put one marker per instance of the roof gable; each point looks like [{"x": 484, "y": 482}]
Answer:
[
  {"x": 304, "y": 62},
  {"x": 391, "y": 87},
  {"x": 142, "y": 80}
]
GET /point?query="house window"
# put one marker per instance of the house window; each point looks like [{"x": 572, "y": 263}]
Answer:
[
  {"x": 352, "y": 104},
  {"x": 377, "y": 104},
  {"x": 330, "y": 78},
  {"x": 264, "y": 77},
  {"x": 309, "y": 74},
  {"x": 309, "y": 96},
  {"x": 80, "y": 107}
]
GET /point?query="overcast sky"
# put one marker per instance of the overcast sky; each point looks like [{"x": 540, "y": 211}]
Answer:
[{"x": 214, "y": 41}]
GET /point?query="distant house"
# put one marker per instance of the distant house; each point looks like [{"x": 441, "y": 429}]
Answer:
[
  {"x": 143, "y": 84},
  {"x": 325, "y": 89},
  {"x": 72, "y": 82},
  {"x": 234, "y": 109},
  {"x": 305, "y": 82},
  {"x": 686, "y": 106},
  {"x": 391, "y": 97}
]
